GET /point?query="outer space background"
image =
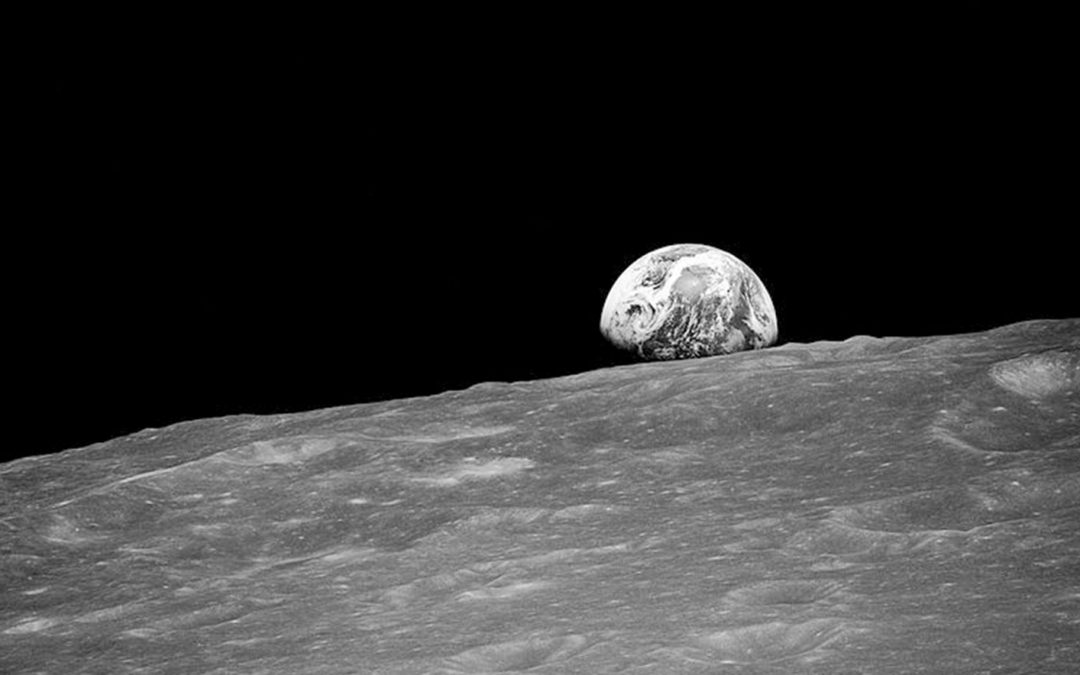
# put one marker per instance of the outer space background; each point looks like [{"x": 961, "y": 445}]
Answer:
[{"x": 283, "y": 225}]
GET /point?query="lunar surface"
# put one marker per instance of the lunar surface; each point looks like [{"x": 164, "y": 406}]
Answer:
[
  {"x": 877, "y": 505},
  {"x": 686, "y": 301}
]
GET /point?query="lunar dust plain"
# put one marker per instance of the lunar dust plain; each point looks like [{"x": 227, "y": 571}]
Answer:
[{"x": 876, "y": 505}]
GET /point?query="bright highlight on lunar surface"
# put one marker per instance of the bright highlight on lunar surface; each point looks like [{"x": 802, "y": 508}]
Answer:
[{"x": 687, "y": 301}]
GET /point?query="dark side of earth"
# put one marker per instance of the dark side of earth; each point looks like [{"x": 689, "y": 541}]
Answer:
[{"x": 871, "y": 505}]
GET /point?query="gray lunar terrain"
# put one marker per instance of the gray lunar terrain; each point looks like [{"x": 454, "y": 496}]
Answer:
[{"x": 892, "y": 505}]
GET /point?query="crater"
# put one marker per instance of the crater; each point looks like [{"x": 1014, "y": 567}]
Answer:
[
  {"x": 1008, "y": 495},
  {"x": 838, "y": 539},
  {"x": 517, "y": 656},
  {"x": 770, "y": 641},
  {"x": 278, "y": 451},
  {"x": 1039, "y": 375}
]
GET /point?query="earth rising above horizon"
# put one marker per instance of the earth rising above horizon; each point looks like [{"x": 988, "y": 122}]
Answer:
[{"x": 688, "y": 301}]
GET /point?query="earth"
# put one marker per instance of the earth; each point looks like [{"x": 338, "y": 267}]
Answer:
[{"x": 688, "y": 301}]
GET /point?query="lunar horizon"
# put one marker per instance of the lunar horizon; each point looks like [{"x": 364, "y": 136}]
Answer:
[{"x": 881, "y": 505}]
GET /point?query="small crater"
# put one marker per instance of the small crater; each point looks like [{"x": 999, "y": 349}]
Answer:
[
  {"x": 68, "y": 532},
  {"x": 517, "y": 656},
  {"x": 951, "y": 509},
  {"x": 493, "y": 518},
  {"x": 768, "y": 642},
  {"x": 470, "y": 470},
  {"x": 582, "y": 511},
  {"x": 1001, "y": 497},
  {"x": 1039, "y": 375},
  {"x": 505, "y": 591},
  {"x": 782, "y": 592},
  {"x": 278, "y": 451},
  {"x": 991, "y": 424},
  {"x": 838, "y": 539},
  {"x": 464, "y": 585}
]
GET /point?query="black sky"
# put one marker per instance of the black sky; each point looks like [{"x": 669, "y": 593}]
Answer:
[{"x": 275, "y": 225}]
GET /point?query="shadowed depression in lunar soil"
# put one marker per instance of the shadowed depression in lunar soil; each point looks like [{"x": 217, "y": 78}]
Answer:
[{"x": 876, "y": 505}]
